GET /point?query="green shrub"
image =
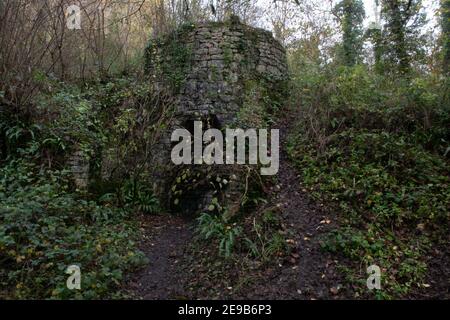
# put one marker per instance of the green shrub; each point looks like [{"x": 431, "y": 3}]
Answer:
[
  {"x": 139, "y": 196},
  {"x": 377, "y": 150},
  {"x": 44, "y": 228},
  {"x": 169, "y": 58}
]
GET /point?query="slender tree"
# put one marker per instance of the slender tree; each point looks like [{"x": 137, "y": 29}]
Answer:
[
  {"x": 445, "y": 21},
  {"x": 376, "y": 38},
  {"x": 401, "y": 35},
  {"x": 374, "y": 33},
  {"x": 351, "y": 15}
]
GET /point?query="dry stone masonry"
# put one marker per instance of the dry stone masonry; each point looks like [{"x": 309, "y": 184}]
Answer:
[
  {"x": 217, "y": 59},
  {"x": 216, "y": 70},
  {"x": 79, "y": 165}
]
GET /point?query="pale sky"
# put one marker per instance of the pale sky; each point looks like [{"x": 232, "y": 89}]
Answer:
[
  {"x": 324, "y": 6},
  {"x": 430, "y": 7}
]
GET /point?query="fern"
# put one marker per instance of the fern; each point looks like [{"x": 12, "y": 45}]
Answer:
[
  {"x": 218, "y": 228},
  {"x": 140, "y": 196}
]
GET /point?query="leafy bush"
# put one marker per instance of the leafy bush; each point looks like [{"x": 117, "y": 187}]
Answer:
[
  {"x": 374, "y": 170},
  {"x": 169, "y": 58},
  {"x": 140, "y": 196},
  {"x": 44, "y": 225},
  {"x": 377, "y": 149},
  {"x": 44, "y": 228}
]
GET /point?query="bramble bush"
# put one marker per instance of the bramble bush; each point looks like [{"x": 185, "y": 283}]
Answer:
[{"x": 379, "y": 150}]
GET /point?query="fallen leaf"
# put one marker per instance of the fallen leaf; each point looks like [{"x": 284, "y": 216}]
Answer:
[{"x": 334, "y": 290}]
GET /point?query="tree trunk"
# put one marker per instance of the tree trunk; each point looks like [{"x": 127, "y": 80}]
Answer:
[{"x": 445, "y": 12}]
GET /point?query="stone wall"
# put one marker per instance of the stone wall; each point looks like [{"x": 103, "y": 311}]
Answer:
[
  {"x": 208, "y": 67},
  {"x": 220, "y": 57},
  {"x": 79, "y": 165}
]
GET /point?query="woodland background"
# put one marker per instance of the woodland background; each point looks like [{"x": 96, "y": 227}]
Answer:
[{"x": 371, "y": 137}]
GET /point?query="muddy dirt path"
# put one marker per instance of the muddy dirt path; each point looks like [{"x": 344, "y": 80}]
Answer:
[
  {"x": 165, "y": 241},
  {"x": 313, "y": 275}
]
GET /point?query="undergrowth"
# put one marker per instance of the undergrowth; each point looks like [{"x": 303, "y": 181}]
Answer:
[
  {"x": 48, "y": 224},
  {"x": 377, "y": 151}
]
